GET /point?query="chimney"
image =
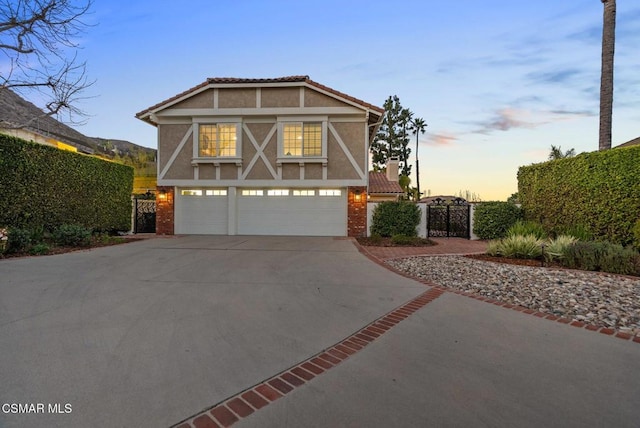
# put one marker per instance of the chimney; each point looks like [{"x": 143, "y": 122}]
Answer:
[{"x": 392, "y": 169}]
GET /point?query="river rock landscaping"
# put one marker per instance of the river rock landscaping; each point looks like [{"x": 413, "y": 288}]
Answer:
[{"x": 599, "y": 299}]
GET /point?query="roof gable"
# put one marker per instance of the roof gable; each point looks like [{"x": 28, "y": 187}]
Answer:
[{"x": 233, "y": 82}]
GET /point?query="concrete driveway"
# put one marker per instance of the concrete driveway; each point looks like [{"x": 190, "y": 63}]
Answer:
[
  {"x": 157, "y": 332},
  {"x": 148, "y": 333}
]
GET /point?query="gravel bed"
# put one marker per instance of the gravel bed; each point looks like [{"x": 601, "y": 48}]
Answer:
[{"x": 593, "y": 298}]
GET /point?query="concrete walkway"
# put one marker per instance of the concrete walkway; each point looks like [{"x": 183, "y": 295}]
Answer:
[{"x": 288, "y": 332}]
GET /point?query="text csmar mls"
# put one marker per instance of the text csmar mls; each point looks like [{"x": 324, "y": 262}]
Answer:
[{"x": 29, "y": 408}]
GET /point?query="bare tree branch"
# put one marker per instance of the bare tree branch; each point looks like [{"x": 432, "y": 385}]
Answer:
[{"x": 38, "y": 40}]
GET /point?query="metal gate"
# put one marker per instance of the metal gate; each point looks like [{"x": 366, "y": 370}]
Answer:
[
  {"x": 145, "y": 215},
  {"x": 449, "y": 218}
]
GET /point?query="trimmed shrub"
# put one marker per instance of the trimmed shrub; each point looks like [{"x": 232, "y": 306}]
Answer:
[
  {"x": 19, "y": 240},
  {"x": 44, "y": 187},
  {"x": 491, "y": 220},
  {"x": 395, "y": 218},
  {"x": 598, "y": 190},
  {"x": 524, "y": 228},
  {"x": 72, "y": 235}
]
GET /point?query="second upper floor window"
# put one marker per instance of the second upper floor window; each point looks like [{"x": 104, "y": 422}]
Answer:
[
  {"x": 302, "y": 139},
  {"x": 218, "y": 140}
]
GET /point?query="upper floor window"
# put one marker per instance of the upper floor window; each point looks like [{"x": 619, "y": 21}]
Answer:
[
  {"x": 302, "y": 139},
  {"x": 218, "y": 140}
]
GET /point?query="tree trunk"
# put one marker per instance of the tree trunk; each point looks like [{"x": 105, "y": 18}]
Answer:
[{"x": 606, "y": 78}]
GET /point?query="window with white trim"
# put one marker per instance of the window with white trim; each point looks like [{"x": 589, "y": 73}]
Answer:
[
  {"x": 330, "y": 192},
  {"x": 252, "y": 192},
  {"x": 216, "y": 192},
  {"x": 304, "y": 192},
  {"x": 300, "y": 139},
  {"x": 278, "y": 192},
  {"x": 217, "y": 140}
]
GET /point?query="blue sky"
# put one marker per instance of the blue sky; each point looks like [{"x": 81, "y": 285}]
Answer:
[{"x": 498, "y": 82}]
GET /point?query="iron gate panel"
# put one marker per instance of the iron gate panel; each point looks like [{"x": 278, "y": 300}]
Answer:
[
  {"x": 145, "y": 218},
  {"x": 449, "y": 219}
]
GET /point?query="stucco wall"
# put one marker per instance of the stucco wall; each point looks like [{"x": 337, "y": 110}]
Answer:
[
  {"x": 237, "y": 98},
  {"x": 202, "y": 100},
  {"x": 169, "y": 136},
  {"x": 280, "y": 97}
]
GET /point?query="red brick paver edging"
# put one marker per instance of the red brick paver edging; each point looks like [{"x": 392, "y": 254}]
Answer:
[{"x": 245, "y": 403}]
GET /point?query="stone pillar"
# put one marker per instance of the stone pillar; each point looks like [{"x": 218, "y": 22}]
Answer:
[
  {"x": 165, "y": 210},
  {"x": 357, "y": 211}
]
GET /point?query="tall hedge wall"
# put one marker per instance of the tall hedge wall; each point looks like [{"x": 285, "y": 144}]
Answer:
[
  {"x": 598, "y": 190},
  {"x": 42, "y": 186}
]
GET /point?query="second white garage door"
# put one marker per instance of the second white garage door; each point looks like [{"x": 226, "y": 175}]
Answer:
[{"x": 313, "y": 212}]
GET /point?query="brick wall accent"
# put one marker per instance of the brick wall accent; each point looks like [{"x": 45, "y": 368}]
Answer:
[
  {"x": 357, "y": 211},
  {"x": 165, "y": 210}
]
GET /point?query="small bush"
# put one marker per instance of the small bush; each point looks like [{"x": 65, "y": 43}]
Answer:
[
  {"x": 524, "y": 228},
  {"x": 617, "y": 259},
  {"x": 19, "y": 240},
  {"x": 72, "y": 235},
  {"x": 519, "y": 247},
  {"x": 493, "y": 248},
  {"x": 395, "y": 218},
  {"x": 584, "y": 255},
  {"x": 603, "y": 256},
  {"x": 491, "y": 220},
  {"x": 39, "y": 249},
  {"x": 555, "y": 249}
]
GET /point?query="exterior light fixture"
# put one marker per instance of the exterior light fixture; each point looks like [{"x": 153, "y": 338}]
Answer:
[
  {"x": 162, "y": 195},
  {"x": 357, "y": 196}
]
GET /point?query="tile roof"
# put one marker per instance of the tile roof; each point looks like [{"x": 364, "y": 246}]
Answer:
[
  {"x": 634, "y": 142},
  {"x": 240, "y": 81},
  {"x": 378, "y": 183}
]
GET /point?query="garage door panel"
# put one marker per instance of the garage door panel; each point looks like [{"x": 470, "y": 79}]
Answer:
[
  {"x": 206, "y": 215},
  {"x": 292, "y": 215}
]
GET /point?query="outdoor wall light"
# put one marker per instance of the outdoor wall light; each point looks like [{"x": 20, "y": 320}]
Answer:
[
  {"x": 357, "y": 196},
  {"x": 162, "y": 195}
]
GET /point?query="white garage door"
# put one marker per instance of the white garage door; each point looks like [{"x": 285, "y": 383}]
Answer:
[
  {"x": 302, "y": 212},
  {"x": 202, "y": 212}
]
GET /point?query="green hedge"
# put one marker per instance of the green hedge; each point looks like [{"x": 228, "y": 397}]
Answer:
[
  {"x": 599, "y": 191},
  {"x": 492, "y": 220},
  {"x": 42, "y": 186},
  {"x": 392, "y": 218}
]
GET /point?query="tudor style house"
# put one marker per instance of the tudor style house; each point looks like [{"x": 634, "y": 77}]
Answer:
[{"x": 283, "y": 156}]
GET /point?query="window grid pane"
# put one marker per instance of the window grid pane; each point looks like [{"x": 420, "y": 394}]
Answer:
[
  {"x": 191, "y": 192},
  {"x": 292, "y": 139},
  {"x": 312, "y": 140},
  {"x": 227, "y": 139},
  {"x": 207, "y": 141},
  {"x": 304, "y": 193},
  {"x": 330, "y": 192}
]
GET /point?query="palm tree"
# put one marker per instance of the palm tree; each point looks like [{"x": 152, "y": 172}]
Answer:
[
  {"x": 606, "y": 77},
  {"x": 418, "y": 128},
  {"x": 557, "y": 153}
]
